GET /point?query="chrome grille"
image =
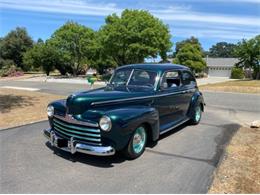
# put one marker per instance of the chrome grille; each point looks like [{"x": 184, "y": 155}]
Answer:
[{"x": 84, "y": 133}]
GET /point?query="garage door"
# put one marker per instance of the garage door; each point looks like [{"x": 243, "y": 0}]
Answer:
[{"x": 219, "y": 72}]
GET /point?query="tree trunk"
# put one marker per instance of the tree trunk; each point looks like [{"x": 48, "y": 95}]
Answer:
[
  {"x": 74, "y": 72},
  {"x": 257, "y": 75},
  {"x": 75, "y": 69}
]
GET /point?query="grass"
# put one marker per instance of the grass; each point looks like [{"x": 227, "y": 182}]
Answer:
[
  {"x": 240, "y": 170},
  {"x": 240, "y": 86},
  {"x": 18, "y": 107}
]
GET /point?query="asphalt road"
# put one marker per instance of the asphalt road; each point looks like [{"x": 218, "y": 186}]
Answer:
[{"x": 183, "y": 161}]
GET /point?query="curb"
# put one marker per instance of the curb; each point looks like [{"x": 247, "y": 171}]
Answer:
[{"x": 212, "y": 91}]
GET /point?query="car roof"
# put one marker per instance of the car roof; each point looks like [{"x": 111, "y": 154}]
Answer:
[{"x": 155, "y": 67}]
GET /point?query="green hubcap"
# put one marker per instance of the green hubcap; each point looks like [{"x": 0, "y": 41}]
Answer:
[
  {"x": 197, "y": 113},
  {"x": 139, "y": 140}
]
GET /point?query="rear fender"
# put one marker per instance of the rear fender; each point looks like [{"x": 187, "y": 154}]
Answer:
[{"x": 196, "y": 98}]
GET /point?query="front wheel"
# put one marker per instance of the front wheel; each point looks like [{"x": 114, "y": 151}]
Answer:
[
  {"x": 196, "y": 115},
  {"x": 137, "y": 143}
]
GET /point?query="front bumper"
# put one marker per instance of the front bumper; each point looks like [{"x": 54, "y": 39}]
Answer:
[{"x": 73, "y": 146}]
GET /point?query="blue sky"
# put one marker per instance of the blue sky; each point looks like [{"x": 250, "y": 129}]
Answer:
[{"x": 209, "y": 20}]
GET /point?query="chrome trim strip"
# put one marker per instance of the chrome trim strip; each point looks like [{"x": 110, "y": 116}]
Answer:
[
  {"x": 73, "y": 146},
  {"x": 157, "y": 79},
  {"x": 130, "y": 76},
  {"x": 137, "y": 98},
  {"x": 174, "y": 126},
  {"x": 76, "y": 121}
]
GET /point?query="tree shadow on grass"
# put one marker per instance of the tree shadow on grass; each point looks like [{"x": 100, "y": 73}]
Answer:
[{"x": 9, "y": 102}]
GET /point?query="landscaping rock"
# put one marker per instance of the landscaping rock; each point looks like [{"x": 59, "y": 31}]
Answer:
[{"x": 255, "y": 124}]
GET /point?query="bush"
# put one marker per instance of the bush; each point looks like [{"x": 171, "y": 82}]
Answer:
[
  {"x": 237, "y": 73},
  {"x": 106, "y": 77},
  {"x": 5, "y": 62},
  {"x": 10, "y": 71}
]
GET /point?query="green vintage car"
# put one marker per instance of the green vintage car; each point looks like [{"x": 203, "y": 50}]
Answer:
[{"x": 139, "y": 103}]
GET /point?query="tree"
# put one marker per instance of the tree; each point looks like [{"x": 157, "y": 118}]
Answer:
[
  {"x": 134, "y": 36},
  {"x": 100, "y": 59},
  {"x": 190, "y": 55},
  {"x": 40, "y": 40},
  {"x": 14, "y": 44},
  {"x": 43, "y": 55},
  {"x": 248, "y": 52},
  {"x": 192, "y": 40},
  {"x": 222, "y": 50},
  {"x": 74, "y": 42}
]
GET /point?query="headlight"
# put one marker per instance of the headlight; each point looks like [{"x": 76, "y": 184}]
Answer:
[
  {"x": 50, "y": 111},
  {"x": 105, "y": 123}
]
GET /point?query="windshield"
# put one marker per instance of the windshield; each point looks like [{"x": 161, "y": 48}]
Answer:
[{"x": 134, "y": 77}]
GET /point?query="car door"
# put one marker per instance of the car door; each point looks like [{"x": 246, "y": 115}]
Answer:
[
  {"x": 188, "y": 88},
  {"x": 168, "y": 99}
]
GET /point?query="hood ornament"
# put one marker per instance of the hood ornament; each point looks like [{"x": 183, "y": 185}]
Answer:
[{"x": 69, "y": 117}]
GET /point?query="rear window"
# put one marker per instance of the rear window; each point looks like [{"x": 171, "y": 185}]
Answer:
[{"x": 188, "y": 78}]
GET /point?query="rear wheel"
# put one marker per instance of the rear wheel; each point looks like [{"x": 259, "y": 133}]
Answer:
[
  {"x": 137, "y": 143},
  {"x": 196, "y": 114}
]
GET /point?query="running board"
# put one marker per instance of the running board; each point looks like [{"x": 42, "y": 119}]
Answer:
[{"x": 174, "y": 126}]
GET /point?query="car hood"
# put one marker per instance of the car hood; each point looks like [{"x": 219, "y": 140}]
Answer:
[{"x": 80, "y": 102}]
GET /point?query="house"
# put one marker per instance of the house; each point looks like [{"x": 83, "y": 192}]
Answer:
[
  {"x": 91, "y": 72},
  {"x": 220, "y": 67}
]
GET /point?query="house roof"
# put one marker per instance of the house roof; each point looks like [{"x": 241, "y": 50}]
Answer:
[{"x": 228, "y": 62}]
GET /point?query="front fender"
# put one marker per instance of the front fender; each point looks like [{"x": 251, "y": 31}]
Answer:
[
  {"x": 59, "y": 109},
  {"x": 126, "y": 120}
]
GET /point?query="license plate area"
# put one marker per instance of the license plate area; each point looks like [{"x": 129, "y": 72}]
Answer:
[
  {"x": 57, "y": 141},
  {"x": 62, "y": 143}
]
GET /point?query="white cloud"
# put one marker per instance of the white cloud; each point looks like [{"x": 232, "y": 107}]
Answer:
[
  {"x": 216, "y": 1},
  {"x": 197, "y": 23},
  {"x": 184, "y": 15},
  {"x": 61, "y": 6},
  {"x": 174, "y": 13},
  {"x": 211, "y": 33},
  {"x": 241, "y": 1}
]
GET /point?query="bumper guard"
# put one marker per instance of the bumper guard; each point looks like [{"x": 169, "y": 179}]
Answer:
[{"x": 73, "y": 146}]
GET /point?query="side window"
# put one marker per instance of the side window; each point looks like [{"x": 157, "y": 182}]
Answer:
[
  {"x": 171, "y": 79},
  {"x": 187, "y": 78}
]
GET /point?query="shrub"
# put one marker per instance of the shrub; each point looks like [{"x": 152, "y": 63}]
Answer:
[
  {"x": 106, "y": 77},
  {"x": 5, "y": 62},
  {"x": 10, "y": 71},
  {"x": 237, "y": 73}
]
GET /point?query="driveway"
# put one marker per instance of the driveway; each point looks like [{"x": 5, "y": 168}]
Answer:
[{"x": 183, "y": 161}]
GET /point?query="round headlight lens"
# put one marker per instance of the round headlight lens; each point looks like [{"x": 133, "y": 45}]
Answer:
[
  {"x": 50, "y": 111},
  {"x": 105, "y": 123}
]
